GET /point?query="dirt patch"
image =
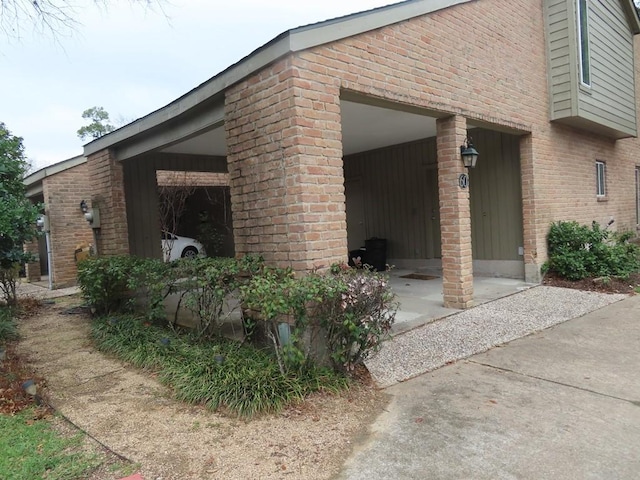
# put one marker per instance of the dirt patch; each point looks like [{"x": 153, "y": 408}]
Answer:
[
  {"x": 602, "y": 285},
  {"x": 135, "y": 416}
]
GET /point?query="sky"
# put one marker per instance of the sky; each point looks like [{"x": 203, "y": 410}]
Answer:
[{"x": 132, "y": 60}]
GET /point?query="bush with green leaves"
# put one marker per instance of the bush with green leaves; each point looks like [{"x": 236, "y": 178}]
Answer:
[
  {"x": 206, "y": 287},
  {"x": 17, "y": 214},
  {"x": 116, "y": 284},
  {"x": 349, "y": 310},
  {"x": 579, "y": 251},
  {"x": 8, "y": 327},
  {"x": 357, "y": 316},
  {"x": 353, "y": 309}
]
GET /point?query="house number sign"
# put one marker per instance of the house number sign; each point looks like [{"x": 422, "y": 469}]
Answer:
[{"x": 463, "y": 180}]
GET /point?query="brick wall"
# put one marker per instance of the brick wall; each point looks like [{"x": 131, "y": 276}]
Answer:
[
  {"x": 495, "y": 75},
  {"x": 62, "y": 195},
  {"x": 107, "y": 182},
  {"x": 32, "y": 269},
  {"x": 284, "y": 133},
  {"x": 196, "y": 179},
  {"x": 285, "y": 167}
]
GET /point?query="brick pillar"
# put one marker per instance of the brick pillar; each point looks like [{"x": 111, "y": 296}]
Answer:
[
  {"x": 285, "y": 167},
  {"x": 455, "y": 215},
  {"x": 107, "y": 180},
  {"x": 33, "y": 272},
  {"x": 62, "y": 193},
  {"x": 534, "y": 243}
]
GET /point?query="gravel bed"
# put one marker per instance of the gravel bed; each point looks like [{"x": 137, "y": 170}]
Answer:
[{"x": 478, "y": 329}]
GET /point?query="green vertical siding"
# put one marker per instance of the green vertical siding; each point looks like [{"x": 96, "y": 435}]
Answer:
[
  {"x": 141, "y": 192},
  {"x": 607, "y": 105},
  {"x": 496, "y": 197},
  {"x": 400, "y": 189}
]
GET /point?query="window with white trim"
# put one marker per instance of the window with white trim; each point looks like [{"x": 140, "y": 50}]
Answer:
[
  {"x": 583, "y": 42},
  {"x": 601, "y": 179}
]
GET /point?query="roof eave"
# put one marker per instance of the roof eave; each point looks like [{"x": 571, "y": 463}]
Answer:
[
  {"x": 41, "y": 174},
  {"x": 632, "y": 15},
  {"x": 301, "y": 38}
]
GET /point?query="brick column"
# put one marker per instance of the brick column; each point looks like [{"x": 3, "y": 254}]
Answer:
[
  {"x": 107, "y": 181},
  {"x": 62, "y": 194},
  {"x": 534, "y": 244},
  {"x": 285, "y": 167},
  {"x": 455, "y": 215}
]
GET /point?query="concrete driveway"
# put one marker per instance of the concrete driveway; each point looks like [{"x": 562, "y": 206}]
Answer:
[{"x": 560, "y": 404}]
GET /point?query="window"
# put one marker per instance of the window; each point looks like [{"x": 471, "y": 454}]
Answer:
[
  {"x": 583, "y": 42},
  {"x": 601, "y": 189}
]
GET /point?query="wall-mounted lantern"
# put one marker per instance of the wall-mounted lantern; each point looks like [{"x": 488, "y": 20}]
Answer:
[{"x": 468, "y": 153}]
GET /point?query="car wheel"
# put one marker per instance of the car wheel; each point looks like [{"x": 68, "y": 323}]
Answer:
[{"x": 189, "y": 252}]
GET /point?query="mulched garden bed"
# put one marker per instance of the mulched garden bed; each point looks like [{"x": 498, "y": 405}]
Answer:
[{"x": 602, "y": 285}]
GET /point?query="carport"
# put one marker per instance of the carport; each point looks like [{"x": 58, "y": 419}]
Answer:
[{"x": 320, "y": 158}]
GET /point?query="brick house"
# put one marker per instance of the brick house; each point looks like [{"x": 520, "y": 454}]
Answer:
[
  {"x": 351, "y": 128},
  {"x": 60, "y": 188}
]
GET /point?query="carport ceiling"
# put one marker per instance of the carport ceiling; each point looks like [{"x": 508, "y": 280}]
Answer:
[{"x": 364, "y": 127}]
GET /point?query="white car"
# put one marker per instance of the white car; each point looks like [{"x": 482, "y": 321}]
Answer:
[{"x": 174, "y": 247}]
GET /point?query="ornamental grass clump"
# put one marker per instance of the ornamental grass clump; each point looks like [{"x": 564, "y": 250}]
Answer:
[{"x": 218, "y": 373}]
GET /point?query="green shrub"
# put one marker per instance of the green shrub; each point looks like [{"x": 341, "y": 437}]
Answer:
[
  {"x": 358, "y": 316},
  {"x": 8, "y": 328},
  {"x": 206, "y": 285},
  {"x": 111, "y": 284},
  {"x": 353, "y": 308},
  {"x": 578, "y": 251}
]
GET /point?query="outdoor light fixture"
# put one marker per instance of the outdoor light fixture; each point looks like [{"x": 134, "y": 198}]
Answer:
[
  {"x": 83, "y": 206},
  {"x": 468, "y": 153}
]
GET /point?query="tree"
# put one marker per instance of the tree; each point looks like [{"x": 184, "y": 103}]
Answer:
[
  {"x": 173, "y": 193},
  {"x": 99, "y": 125},
  {"x": 17, "y": 214},
  {"x": 47, "y": 16}
]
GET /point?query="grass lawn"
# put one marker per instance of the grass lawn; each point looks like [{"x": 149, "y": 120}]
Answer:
[{"x": 34, "y": 443}]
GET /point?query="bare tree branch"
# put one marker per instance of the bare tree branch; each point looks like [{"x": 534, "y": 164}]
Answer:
[{"x": 55, "y": 17}]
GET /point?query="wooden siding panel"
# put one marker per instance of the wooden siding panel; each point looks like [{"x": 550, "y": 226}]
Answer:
[
  {"x": 400, "y": 188},
  {"x": 496, "y": 197},
  {"x": 142, "y": 208},
  {"x": 399, "y": 185},
  {"x": 610, "y": 100},
  {"x": 557, "y": 28}
]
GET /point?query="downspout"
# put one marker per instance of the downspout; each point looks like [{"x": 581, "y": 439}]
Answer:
[{"x": 49, "y": 259}]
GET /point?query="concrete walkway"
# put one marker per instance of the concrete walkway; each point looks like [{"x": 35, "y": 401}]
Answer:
[{"x": 561, "y": 403}]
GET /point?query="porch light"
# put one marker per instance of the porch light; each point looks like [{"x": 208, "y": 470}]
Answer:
[{"x": 468, "y": 153}]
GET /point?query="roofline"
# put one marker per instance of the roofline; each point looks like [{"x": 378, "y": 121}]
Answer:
[
  {"x": 39, "y": 175},
  {"x": 632, "y": 14},
  {"x": 295, "y": 40}
]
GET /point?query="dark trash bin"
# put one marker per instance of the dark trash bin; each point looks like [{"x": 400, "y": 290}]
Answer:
[{"x": 376, "y": 253}]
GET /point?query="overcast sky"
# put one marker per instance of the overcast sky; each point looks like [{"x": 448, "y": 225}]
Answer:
[{"x": 132, "y": 61}]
